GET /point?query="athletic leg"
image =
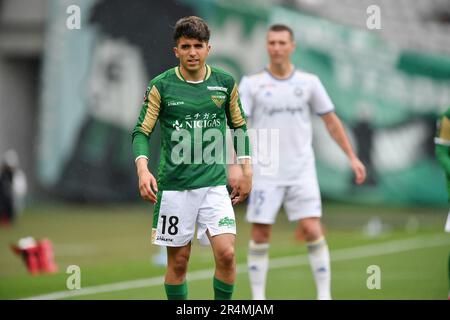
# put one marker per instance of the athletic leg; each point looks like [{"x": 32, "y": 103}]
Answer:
[
  {"x": 319, "y": 256},
  {"x": 175, "y": 278},
  {"x": 225, "y": 272},
  {"x": 264, "y": 204},
  {"x": 258, "y": 259}
]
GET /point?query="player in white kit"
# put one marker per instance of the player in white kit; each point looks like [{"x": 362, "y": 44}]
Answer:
[{"x": 283, "y": 98}]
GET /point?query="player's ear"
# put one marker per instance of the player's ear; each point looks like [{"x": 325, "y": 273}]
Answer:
[
  {"x": 208, "y": 46},
  {"x": 175, "y": 51}
]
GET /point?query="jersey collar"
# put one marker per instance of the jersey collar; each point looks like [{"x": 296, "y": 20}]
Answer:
[
  {"x": 279, "y": 79},
  {"x": 180, "y": 76}
]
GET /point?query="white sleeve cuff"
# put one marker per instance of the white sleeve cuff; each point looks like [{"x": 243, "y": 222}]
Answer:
[
  {"x": 139, "y": 157},
  {"x": 242, "y": 157},
  {"x": 442, "y": 142}
]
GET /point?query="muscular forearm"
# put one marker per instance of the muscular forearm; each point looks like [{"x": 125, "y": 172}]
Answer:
[
  {"x": 337, "y": 132},
  {"x": 147, "y": 182},
  {"x": 246, "y": 167},
  {"x": 141, "y": 166}
]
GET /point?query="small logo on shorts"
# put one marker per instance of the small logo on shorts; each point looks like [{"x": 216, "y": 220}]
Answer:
[
  {"x": 226, "y": 222},
  {"x": 164, "y": 239}
]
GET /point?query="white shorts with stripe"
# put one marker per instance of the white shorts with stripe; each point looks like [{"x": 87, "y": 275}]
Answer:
[{"x": 177, "y": 213}]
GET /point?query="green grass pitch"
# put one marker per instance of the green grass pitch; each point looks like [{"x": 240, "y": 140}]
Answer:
[{"x": 112, "y": 247}]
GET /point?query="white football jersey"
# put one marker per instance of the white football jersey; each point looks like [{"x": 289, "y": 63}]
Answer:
[{"x": 279, "y": 113}]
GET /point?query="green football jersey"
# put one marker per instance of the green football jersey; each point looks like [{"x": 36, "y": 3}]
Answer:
[
  {"x": 443, "y": 129},
  {"x": 193, "y": 117}
]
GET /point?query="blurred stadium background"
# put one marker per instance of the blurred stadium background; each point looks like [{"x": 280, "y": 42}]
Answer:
[{"x": 69, "y": 98}]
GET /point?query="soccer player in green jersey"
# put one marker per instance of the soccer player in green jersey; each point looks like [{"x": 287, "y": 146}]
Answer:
[
  {"x": 193, "y": 103},
  {"x": 442, "y": 149}
]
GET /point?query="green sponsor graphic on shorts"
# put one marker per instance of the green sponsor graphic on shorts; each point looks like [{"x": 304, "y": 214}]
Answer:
[{"x": 226, "y": 222}]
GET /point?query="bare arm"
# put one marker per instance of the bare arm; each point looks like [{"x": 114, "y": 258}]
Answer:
[
  {"x": 243, "y": 185},
  {"x": 337, "y": 132},
  {"x": 234, "y": 174},
  {"x": 147, "y": 182}
]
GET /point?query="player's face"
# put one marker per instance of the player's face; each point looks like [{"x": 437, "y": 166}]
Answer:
[
  {"x": 192, "y": 53},
  {"x": 279, "y": 46}
]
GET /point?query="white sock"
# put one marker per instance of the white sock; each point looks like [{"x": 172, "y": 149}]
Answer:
[
  {"x": 319, "y": 259},
  {"x": 258, "y": 264}
]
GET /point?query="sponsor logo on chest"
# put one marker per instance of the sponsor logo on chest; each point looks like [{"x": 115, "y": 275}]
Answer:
[{"x": 217, "y": 88}]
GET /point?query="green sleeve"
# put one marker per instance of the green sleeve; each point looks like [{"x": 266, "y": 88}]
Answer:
[
  {"x": 241, "y": 142},
  {"x": 237, "y": 121},
  {"x": 146, "y": 121},
  {"x": 442, "y": 155},
  {"x": 140, "y": 144}
]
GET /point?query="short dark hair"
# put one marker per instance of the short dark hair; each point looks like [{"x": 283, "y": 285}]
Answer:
[
  {"x": 282, "y": 27},
  {"x": 191, "y": 27}
]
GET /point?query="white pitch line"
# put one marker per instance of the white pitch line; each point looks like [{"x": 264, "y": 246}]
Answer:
[{"x": 336, "y": 255}]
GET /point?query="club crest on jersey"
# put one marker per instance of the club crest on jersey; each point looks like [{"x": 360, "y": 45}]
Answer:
[
  {"x": 218, "y": 100},
  {"x": 298, "y": 91}
]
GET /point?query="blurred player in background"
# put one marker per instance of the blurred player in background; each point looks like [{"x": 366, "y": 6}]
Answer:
[
  {"x": 191, "y": 101},
  {"x": 282, "y": 98},
  {"x": 160, "y": 259},
  {"x": 442, "y": 149},
  {"x": 13, "y": 188}
]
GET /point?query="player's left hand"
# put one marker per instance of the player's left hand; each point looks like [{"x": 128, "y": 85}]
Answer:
[
  {"x": 359, "y": 170},
  {"x": 234, "y": 175},
  {"x": 242, "y": 189}
]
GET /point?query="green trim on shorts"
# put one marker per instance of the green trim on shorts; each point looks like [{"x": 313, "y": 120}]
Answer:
[{"x": 156, "y": 210}]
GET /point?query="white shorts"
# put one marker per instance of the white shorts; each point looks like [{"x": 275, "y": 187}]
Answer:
[
  {"x": 299, "y": 202},
  {"x": 178, "y": 212}
]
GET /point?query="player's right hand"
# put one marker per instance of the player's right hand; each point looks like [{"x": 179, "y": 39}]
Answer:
[
  {"x": 359, "y": 170},
  {"x": 147, "y": 186}
]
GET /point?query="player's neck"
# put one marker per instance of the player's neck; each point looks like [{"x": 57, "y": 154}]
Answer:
[
  {"x": 193, "y": 76},
  {"x": 282, "y": 70}
]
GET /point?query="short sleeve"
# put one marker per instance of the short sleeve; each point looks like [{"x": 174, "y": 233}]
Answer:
[
  {"x": 320, "y": 100},
  {"x": 246, "y": 96}
]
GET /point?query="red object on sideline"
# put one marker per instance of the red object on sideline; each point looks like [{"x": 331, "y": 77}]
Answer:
[
  {"x": 37, "y": 256},
  {"x": 46, "y": 256},
  {"x": 30, "y": 256}
]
